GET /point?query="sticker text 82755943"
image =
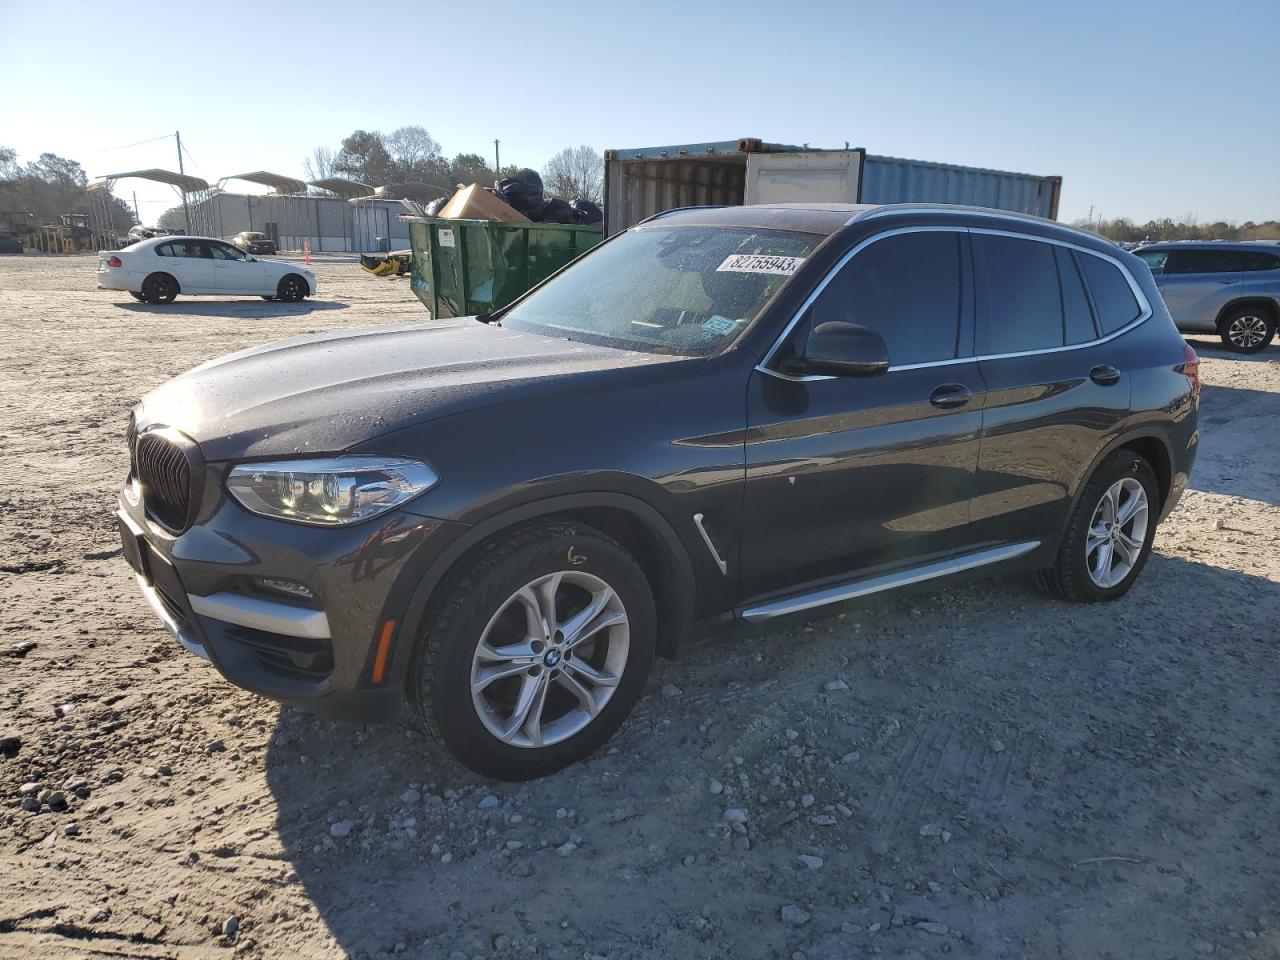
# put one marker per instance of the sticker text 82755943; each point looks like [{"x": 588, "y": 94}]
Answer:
[{"x": 759, "y": 263}]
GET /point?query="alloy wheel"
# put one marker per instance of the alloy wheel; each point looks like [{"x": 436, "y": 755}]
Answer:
[
  {"x": 1117, "y": 533},
  {"x": 550, "y": 659},
  {"x": 1247, "y": 331}
]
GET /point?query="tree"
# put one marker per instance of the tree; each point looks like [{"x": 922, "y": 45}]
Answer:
[
  {"x": 175, "y": 218},
  {"x": 364, "y": 157},
  {"x": 318, "y": 166},
  {"x": 575, "y": 173},
  {"x": 468, "y": 168},
  {"x": 9, "y": 163},
  {"x": 411, "y": 149}
]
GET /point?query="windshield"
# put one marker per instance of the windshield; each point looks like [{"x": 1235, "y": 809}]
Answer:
[{"x": 681, "y": 290}]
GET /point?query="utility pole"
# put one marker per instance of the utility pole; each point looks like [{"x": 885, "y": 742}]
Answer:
[
  {"x": 177, "y": 135},
  {"x": 136, "y": 215},
  {"x": 497, "y": 164}
]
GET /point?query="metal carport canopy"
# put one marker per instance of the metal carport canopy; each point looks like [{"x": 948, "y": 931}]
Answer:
[
  {"x": 278, "y": 183},
  {"x": 184, "y": 182},
  {"x": 343, "y": 188}
]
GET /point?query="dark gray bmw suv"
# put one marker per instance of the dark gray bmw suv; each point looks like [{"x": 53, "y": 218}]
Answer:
[{"x": 722, "y": 413}]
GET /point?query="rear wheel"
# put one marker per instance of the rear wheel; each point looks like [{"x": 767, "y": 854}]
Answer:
[
  {"x": 537, "y": 651},
  {"x": 1247, "y": 329},
  {"x": 137, "y": 296},
  {"x": 159, "y": 288},
  {"x": 291, "y": 288},
  {"x": 1109, "y": 536}
]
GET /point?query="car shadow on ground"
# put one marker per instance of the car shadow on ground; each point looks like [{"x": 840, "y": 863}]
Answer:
[
  {"x": 233, "y": 308},
  {"x": 1227, "y": 461},
  {"x": 1207, "y": 345},
  {"x": 422, "y": 863}
]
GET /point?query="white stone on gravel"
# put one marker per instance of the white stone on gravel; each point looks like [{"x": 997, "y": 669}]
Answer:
[
  {"x": 807, "y": 800},
  {"x": 834, "y": 685},
  {"x": 670, "y": 690},
  {"x": 793, "y": 916},
  {"x": 930, "y": 830},
  {"x": 410, "y": 796},
  {"x": 489, "y": 802},
  {"x": 735, "y": 815},
  {"x": 340, "y": 829},
  {"x": 810, "y": 861}
]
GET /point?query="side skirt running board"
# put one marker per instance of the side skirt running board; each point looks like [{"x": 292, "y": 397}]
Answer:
[{"x": 889, "y": 581}]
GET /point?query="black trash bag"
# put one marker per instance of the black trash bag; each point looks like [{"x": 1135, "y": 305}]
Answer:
[
  {"x": 523, "y": 192},
  {"x": 556, "y": 210},
  {"x": 584, "y": 211},
  {"x": 433, "y": 208}
]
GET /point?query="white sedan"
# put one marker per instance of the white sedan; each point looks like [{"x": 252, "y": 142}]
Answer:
[{"x": 157, "y": 270}]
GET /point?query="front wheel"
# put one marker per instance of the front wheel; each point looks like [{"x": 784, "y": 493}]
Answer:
[
  {"x": 1109, "y": 535},
  {"x": 291, "y": 289},
  {"x": 536, "y": 652},
  {"x": 1247, "y": 330}
]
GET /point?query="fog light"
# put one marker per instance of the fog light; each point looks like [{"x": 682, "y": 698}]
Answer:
[{"x": 287, "y": 587}]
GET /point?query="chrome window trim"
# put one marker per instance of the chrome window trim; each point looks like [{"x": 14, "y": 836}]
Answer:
[{"x": 1144, "y": 305}]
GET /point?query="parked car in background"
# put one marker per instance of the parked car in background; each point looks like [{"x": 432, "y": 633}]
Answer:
[
  {"x": 9, "y": 243},
  {"x": 252, "y": 242},
  {"x": 737, "y": 412},
  {"x": 139, "y": 233},
  {"x": 159, "y": 269},
  {"x": 1228, "y": 288}
]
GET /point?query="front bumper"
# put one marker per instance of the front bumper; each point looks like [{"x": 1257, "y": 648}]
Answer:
[{"x": 332, "y": 653}]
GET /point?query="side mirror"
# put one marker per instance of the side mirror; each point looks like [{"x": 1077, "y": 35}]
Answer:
[{"x": 842, "y": 349}]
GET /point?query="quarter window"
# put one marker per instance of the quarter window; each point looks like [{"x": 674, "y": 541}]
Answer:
[
  {"x": 906, "y": 288},
  {"x": 1024, "y": 299},
  {"x": 1112, "y": 296}
]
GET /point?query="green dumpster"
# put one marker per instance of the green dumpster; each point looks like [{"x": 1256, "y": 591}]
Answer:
[{"x": 466, "y": 267}]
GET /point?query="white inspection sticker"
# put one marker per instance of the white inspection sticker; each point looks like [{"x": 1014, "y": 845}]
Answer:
[
  {"x": 446, "y": 236},
  {"x": 760, "y": 263}
]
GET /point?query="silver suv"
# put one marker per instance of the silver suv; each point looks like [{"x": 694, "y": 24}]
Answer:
[{"x": 1214, "y": 286}]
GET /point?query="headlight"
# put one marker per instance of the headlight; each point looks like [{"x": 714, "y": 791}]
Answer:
[{"x": 331, "y": 492}]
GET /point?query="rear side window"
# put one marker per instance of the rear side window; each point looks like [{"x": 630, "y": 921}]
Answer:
[
  {"x": 1077, "y": 317},
  {"x": 1201, "y": 261},
  {"x": 1112, "y": 296},
  {"x": 164, "y": 250},
  {"x": 1024, "y": 299},
  {"x": 1250, "y": 261},
  {"x": 907, "y": 289}
]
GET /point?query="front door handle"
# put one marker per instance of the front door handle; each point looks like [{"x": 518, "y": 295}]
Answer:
[
  {"x": 1228, "y": 281},
  {"x": 1104, "y": 375},
  {"x": 950, "y": 395}
]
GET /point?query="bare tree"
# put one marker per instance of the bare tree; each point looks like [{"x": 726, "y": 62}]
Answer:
[
  {"x": 319, "y": 165},
  {"x": 575, "y": 173},
  {"x": 411, "y": 146}
]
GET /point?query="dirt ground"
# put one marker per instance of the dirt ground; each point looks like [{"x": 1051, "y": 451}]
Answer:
[{"x": 980, "y": 772}]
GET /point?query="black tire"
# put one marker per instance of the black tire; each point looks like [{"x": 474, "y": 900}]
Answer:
[
  {"x": 160, "y": 288},
  {"x": 292, "y": 288},
  {"x": 479, "y": 589},
  {"x": 269, "y": 299},
  {"x": 1069, "y": 578},
  {"x": 137, "y": 296},
  {"x": 1247, "y": 329}
]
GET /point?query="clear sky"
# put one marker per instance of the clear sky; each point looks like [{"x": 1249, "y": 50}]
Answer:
[{"x": 1146, "y": 109}]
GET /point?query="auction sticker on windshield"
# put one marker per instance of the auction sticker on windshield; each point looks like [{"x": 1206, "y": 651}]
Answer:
[{"x": 759, "y": 263}]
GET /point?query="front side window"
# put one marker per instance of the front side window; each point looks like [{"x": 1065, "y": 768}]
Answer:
[
  {"x": 1024, "y": 299},
  {"x": 224, "y": 251},
  {"x": 905, "y": 287},
  {"x": 688, "y": 291}
]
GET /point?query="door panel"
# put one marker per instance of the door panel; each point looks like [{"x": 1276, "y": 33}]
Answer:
[
  {"x": 233, "y": 272},
  {"x": 845, "y": 474},
  {"x": 854, "y": 472},
  {"x": 192, "y": 265}
]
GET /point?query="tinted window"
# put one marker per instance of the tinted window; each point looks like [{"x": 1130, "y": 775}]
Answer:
[
  {"x": 1024, "y": 302},
  {"x": 1202, "y": 261},
  {"x": 1250, "y": 261},
  {"x": 1077, "y": 317},
  {"x": 907, "y": 289},
  {"x": 1112, "y": 296}
]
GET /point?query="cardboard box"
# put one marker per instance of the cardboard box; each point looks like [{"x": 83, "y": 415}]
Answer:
[{"x": 477, "y": 203}]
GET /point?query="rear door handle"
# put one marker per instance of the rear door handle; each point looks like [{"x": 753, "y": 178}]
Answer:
[
  {"x": 950, "y": 395},
  {"x": 1228, "y": 281},
  {"x": 1104, "y": 375}
]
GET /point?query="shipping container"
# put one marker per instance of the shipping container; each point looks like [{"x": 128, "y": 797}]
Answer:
[{"x": 642, "y": 182}]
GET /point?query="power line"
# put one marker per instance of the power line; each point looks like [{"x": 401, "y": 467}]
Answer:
[{"x": 138, "y": 144}]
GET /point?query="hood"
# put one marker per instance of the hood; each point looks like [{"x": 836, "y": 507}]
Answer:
[{"x": 325, "y": 392}]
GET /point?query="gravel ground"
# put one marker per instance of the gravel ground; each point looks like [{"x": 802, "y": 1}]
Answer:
[{"x": 979, "y": 772}]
